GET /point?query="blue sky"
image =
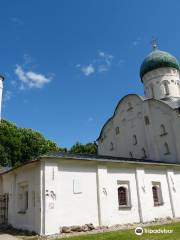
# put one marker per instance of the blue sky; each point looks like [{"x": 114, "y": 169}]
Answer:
[{"x": 67, "y": 63}]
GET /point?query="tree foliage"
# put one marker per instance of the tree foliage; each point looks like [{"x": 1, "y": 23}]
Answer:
[
  {"x": 84, "y": 148},
  {"x": 19, "y": 145}
]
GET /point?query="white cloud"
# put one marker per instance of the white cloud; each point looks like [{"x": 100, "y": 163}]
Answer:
[
  {"x": 105, "y": 62},
  {"x": 88, "y": 70},
  {"x": 101, "y": 63},
  {"x": 31, "y": 79},
  {"x": 107, "y": 58},
  {"x": 103, "y": 68}
]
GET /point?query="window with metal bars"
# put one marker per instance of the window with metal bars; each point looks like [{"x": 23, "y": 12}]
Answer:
[
  {"x": 157, "y": 194},
  {"x": 122, "y": 196}
]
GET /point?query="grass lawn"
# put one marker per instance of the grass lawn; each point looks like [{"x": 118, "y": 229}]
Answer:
[{"x": 130, "y": 235}]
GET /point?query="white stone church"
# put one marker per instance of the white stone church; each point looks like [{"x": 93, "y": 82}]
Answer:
[{"x": 134, "y": 178}]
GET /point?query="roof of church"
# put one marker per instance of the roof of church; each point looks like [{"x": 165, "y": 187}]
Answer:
[
  {"x": 173, "y": 102},
  {"x": 102, "y": 158},
  {"x": 157, "y": 59},
  {"x": 92, "y": 157}
]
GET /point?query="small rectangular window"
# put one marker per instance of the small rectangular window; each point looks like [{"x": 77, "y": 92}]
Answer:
[
  {"x": 111, "y": 146},
  {"x": 157, "y": 194},
  {"x": 123, "y": 192},
  {"x": 146, "y": 120},
  {"x": 117, "y": 130}
]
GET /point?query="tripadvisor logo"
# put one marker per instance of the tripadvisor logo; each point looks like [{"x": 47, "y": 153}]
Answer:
[{"x": 139, "y": 231}]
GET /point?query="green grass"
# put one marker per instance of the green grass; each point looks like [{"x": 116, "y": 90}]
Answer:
[{"x": 130, "y": 235}]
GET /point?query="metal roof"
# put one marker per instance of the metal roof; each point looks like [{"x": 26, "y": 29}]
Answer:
[
  {"x": 102, "y": 158},
  {"x": 92, "y": 157},
  {"x": 157, "y": 59},
  {"x": 173, "y": 102}
]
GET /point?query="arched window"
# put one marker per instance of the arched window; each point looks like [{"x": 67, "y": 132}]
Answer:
[
  {"x": 122, "y": 196},
  {"x": 134, "y": 140},
  {"x": 144, "y": 153},
  {"x": 166, "y": 88},
  {"x": 152, "y": 91},
  {"x": 166, "y": 149},
  {"x": 157, "y": 194},
  {"x": 162, "y": 130}
]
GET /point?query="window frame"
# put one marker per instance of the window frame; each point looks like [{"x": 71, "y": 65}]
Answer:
[
  {"x": 152, "y": 91},
  {"x": 146, "y": 120},
  {"x": 126, "y": 186},
  {"x": 166, "y": 88},
  {"x": 157, "y": 187}
]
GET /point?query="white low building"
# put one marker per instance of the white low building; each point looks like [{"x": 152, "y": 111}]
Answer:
[
  {"x": 134, "y": 178},
  {"x": 69, "y": 189}
]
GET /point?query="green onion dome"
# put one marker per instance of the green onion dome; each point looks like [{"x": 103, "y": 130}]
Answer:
[{"x": 157, "y": 59}]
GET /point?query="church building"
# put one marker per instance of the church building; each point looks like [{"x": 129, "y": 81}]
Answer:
[{"x": 134, "y": 178}]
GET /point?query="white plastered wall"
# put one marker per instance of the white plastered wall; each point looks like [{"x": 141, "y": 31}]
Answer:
[
  {"x": 154, "y": 83},
  {"x": 28, "y": 174},
  {"x": 131, "y": 122},
  {"x": 74, "y": 187},
  {"x": 95, "y": 199}
]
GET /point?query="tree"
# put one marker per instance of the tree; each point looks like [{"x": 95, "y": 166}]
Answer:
[
  {"x": 84, "y": 148},
  {"x": 19, "y": 145}
]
